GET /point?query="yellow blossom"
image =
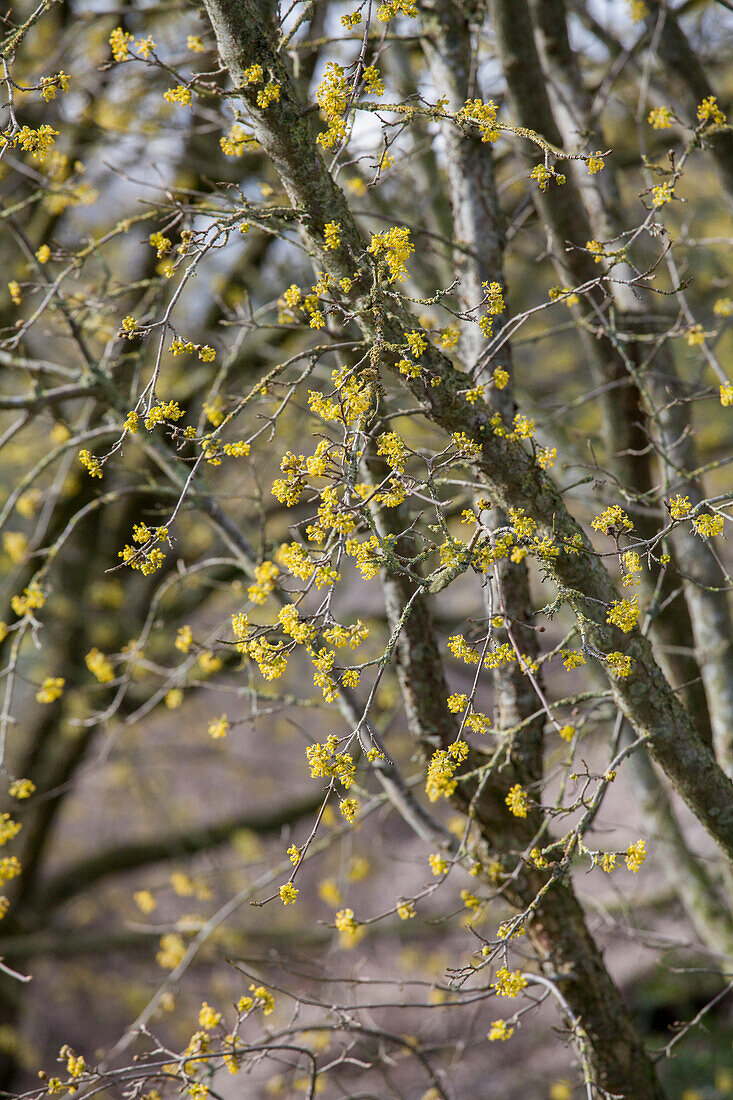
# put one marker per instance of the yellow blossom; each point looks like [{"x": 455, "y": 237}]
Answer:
[
  {"x": 208, "y": 1017},
  {"x": 180, "y": 94},
  {"x": 508, "y": 983},
  {"x": 21, "y": 788},
  {"x": 660, "y": 118},
  {"x": 499, "y": 1030},
  {"x": 100, "y": 666},
  {"x": 708, "y": 526},
  {"x": 516, "y": 800},
  {"x": 219, "y": 727},
  {"x": 624, "y": 614},
  {"x": 51, "y": 689},
  {"x": 635, "y": 855}
]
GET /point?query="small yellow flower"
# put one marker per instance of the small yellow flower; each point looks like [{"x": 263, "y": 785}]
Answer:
[
  {"x": 635, "y": 855},
  {"x": 332, "y": 235},
  {"x": 180, "y": 94},
  {"x": 289, "y": 893},
  {"x": 219, "y": 727},
  {"x": 100, "y": 666},
  {"x": 51, "y": 689},
  {"x": 499, "y": 1030},
  {"x": 509, "y": 983},
  {"x": 660, "y": 118},
  {"x": 619, "y": 665},
  {"x": 144, "y": 900},
  {"x": 707, "y": 526},
  {"x": 21, "y": 788},
  {"x": 679, "y": 507},
  {"x": 208, "y": 1017},
  {"x": 516, "y": 800},
  {"x": 438, "y": 864}
]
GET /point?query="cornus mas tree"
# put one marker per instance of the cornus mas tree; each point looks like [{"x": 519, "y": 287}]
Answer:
[{"x": 364, "y": 433}]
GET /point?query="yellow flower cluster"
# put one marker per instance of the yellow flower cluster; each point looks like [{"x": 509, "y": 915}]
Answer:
[
  {"x": 563, "y": 292},
  {"x": 595, "y": 163},
  {"x": 679, "y": 507},
  {"x": 36, "y": 142},
  {"x": 611, "y": 520},
  {"x": 325, "y": 761},
  {"x": 484, "y": 114},
  {"x": 269, "y": 94},
  {"x": 261, "y": 997},
  {"x": 660, "y": 118},
  {"x": 237, "y": 141},
  {"x": 708, "y": 526},
  {"x": 160, "y": 243},
  {"x": 332, "y": 235},
  {"x": 516, "y": 800},
  {"x": 51, "y": 689},
  {"x": 709, "y": 111},
  {"x": 663, "y": 193},
  {"x": 90, "y": 463},
  {"x": 635, "y": 855},
  {"x": 50, "y": 84},
  {"x": 367, "y": 555},
  {"x": 219, "y": 727},
  {"x": 394, "y": 246},
  {"x": 145, "y": 558},
  {"x": 461, "y": 650},
  {"x": 288, "y": 894},
  {"x": 270, "y": 657},
  {"x": 466, "y": 446},
  {"x": 208, "y": 1017},
  {"x": 499, "y": 1030},
  {"x": 172, "y": 951},
  {"x": 394, "y": 450},
  {"x": 544, "y": 174},
  {"x": 345, "y": 921},
  {"x": 100, "y": 666},
  {"x": 331, "y": 94},
  {"x": 119, "y": 42},
  {"x": 508, "y": 983},
  {"x": 438, "y": 864},
  {"x": 9, "y": 868},
  {"x": 31, "y": 600},
  {"x": 632, "y": 567},
  {"x": 395, "y": 7},
  {"x": 624, "y": 614},
  {"x": 265, "y": 576},
  {"x": 21, "y": 788},
  {"x": 619, "y": 665},
  {"x": 180, "y": 94},
  {"x": 8, "y": 828},
  {"x": 440, "y": 781}
]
